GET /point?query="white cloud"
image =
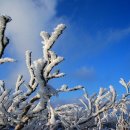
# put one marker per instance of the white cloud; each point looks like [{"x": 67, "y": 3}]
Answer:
[
  {"x": 85, "y": 73},
  {"x": 29, "y": 17},
  {"x": 105, "y": 38},
  {"x": 116, "y": 35}
]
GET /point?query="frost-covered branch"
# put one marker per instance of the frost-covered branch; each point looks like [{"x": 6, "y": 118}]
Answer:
[
  {"x": 32, "y": 85},
  {"x": 3, "y": 39},
  {"x": 29, "y": 106},
  {"x": 19, "y": 82},
  {"x": 50, "y": 40},
  {"x": 43, "y": 68},
  {"x": 124, "y": 84},
  {"x": 64, "y": 88},
  {"x": 3, "y": 60}
]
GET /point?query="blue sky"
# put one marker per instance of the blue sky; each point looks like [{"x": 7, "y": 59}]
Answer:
[{"x": 96, "y": 43}]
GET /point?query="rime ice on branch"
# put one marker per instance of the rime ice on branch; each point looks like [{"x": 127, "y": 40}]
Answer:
[
  {"x": 20, "y": 107},
  {"x": 31, "y": 109},
  {"x": 44, "y": 66},
  {"x": 3, "y": 39}
]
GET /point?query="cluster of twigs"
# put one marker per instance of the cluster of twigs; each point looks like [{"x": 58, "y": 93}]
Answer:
[{"x": 32, "y": 110}]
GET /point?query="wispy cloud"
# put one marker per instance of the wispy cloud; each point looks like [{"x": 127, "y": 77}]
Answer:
[
  {"x": 29, "y": 18},
  {"x": 85, "y": 74},
  {"x": 103, "y": 39},
  {"x": 90, "y": 44},
  {"x": 115, "y": 35}
]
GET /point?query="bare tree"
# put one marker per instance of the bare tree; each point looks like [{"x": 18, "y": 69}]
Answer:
[
  {"x": 16, "y": 107},
  {"x": 32, "y": 109}
]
